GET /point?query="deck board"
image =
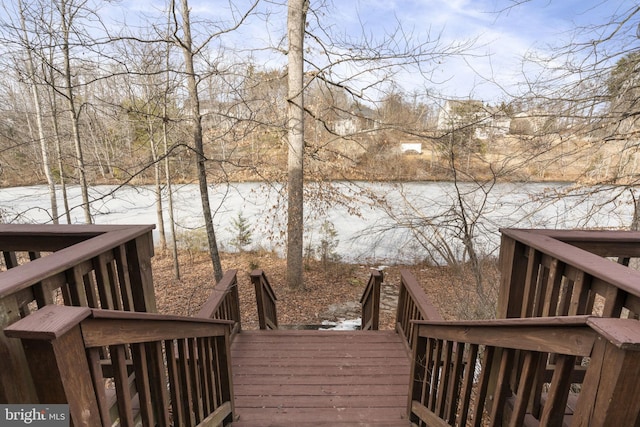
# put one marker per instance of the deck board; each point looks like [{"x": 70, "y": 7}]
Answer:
[{"x": 341, "y": 378}]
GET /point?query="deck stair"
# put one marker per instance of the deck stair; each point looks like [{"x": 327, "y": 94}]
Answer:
[
  {"x": 331, "y": 378},
  {"x": 77, "y": 314}
]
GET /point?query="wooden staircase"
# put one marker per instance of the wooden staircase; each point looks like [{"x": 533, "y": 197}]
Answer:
[
  {"x": 315, "y": 377},
  {"x": 567, "y": 321}
]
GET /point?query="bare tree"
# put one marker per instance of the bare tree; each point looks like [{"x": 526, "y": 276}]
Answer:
[
  {"x": 589, "y": 85},
  {"x": 296, "y": 22},
  {"x": 68, "y": 11},
  {"x": 44, "y": 146},
  {"x": 190, "y": 52}
]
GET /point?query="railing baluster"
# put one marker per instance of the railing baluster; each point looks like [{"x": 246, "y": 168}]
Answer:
[
  {"x": 553, "y": 412},
  {"x": 553, "y": 288},
  {"x": 141, "y": 369},
  {"x": 483, "y": 384},
  {"x": 531, "y": 281},
  {"x": 185, "y": 382},
  {"x": 122, "y": 268},
  {"x": 467, "y": 384},
  {"x": 435, "y": 375},
  {"x": 194, "y": 373},
  {"x": 121, "y": 378},
  {"x": 502, "y": 386},
  {"x": 455, "y": 382},
  {"x": 445, "y": 378},
  {"x": 76, "y": 288},
  {"x": 527, "y": 377},
  {"x": 90, "y": 291},
  {"x": 94, "y": 358},
  {"x": 175, "y": 383},
  {"x": 105, "y": 290},
  {"x": 158, "y": 382},
  {"x": 419, "y": 372},
  {"x": 219, "y": 398}
]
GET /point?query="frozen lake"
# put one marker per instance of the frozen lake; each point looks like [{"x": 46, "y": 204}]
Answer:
[{"x": 374, "y": 222}]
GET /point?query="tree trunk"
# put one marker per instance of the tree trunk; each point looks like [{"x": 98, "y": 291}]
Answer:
[
  {"x": 296, "y": 20},
  {"x": 73, "y": 114},
  {"x": 167, "y": 173},
  {"x": 198, "y": 141},
  {"x": 167, "y": 166},
  {"x": 58, "y": 144},
  {"x": 38, "y": 106},
  {"x": 157, "y": 179}
]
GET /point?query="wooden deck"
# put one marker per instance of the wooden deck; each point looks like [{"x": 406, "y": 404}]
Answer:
[
  {"x": 562, "y": 303},
  {"x": 330, "y": 378}
]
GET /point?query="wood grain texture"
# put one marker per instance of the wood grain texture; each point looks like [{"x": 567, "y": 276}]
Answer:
[{"x": 324, "y": 377}]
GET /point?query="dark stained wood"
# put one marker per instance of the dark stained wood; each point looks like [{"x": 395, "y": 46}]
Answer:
[
  {"x": 370, "y": 302},
  {"x": 610, "y": 390},
  {"x": 413, "y": 305},
  {"x": 556, "y": 400},
  {"x": 223, "y": 303},
  {"x": 616, "y": 274},
  {"x": 623, "y": 333},
  {"x": 53, "y": 237},
  {"x": 61, "y": 370},
  {"x": 48, "y": 323},
  {"x": 30, "y": 273},
  {"x": 265, "y": 300},
  {"x": 513, "y": 268},
  {"x": 292, "y": 378},
  {"x": 140, "y": 252},
  {"x": 606, "y": 243},
  {"x": 557, "y": 335}
]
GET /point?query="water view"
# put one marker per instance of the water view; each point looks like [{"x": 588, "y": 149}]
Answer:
[{"x": 371, "y": 222}]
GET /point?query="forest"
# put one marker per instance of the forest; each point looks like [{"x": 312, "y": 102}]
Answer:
[{"x": 171, "y": 97}]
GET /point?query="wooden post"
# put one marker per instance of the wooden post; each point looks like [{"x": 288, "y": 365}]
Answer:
[
  {"x": 513, "y": 270},
  {"x": 370, "y": 302},
  {"x": 55, "y": 351},
  {"x": 226, "y": 376},
  {"x": 256, "y": 276},
  {"x": 610, "y": 390},
  {"x": 265, "y": 301},
  {"x": 139, "y": 253},
  {"x": 16, "y": 385}
]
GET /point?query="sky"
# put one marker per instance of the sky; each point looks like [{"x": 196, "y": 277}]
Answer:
[{"x": 503, "y": 31}]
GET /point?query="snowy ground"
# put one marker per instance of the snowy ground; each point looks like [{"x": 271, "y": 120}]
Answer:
[{"x": 508, "y": 205}]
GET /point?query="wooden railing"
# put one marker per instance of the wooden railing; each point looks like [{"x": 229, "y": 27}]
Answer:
[
  {"x": 265, "y": 300},
  {"x": 370, "y": 302},
  {"x": 413, "y": 305},
  {"x": 454, "y": 362},
  {"x": 224, "y": 302},
  {"x": 161, "y": 370},
  {"x": 559, "y": 273},
  {"x": 106, "y": 267}
]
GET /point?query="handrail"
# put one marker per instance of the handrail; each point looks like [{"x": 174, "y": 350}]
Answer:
[
  {"x": 455, "y": 360},
  {"x": 181, "y": 365},
  {"x": 23, "y": 276},
  {"x": 111, "y": 269},
  {"x": 601, "y": 242},
  {"x": 370, "y": 302},
  {"x": 265, "y": 300},
  {"x": 548, "y": 273},
  {"x": 413, "y": 304},
  {"x": 224, "y": 302},
  {"x": 53, "y": 237}
]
